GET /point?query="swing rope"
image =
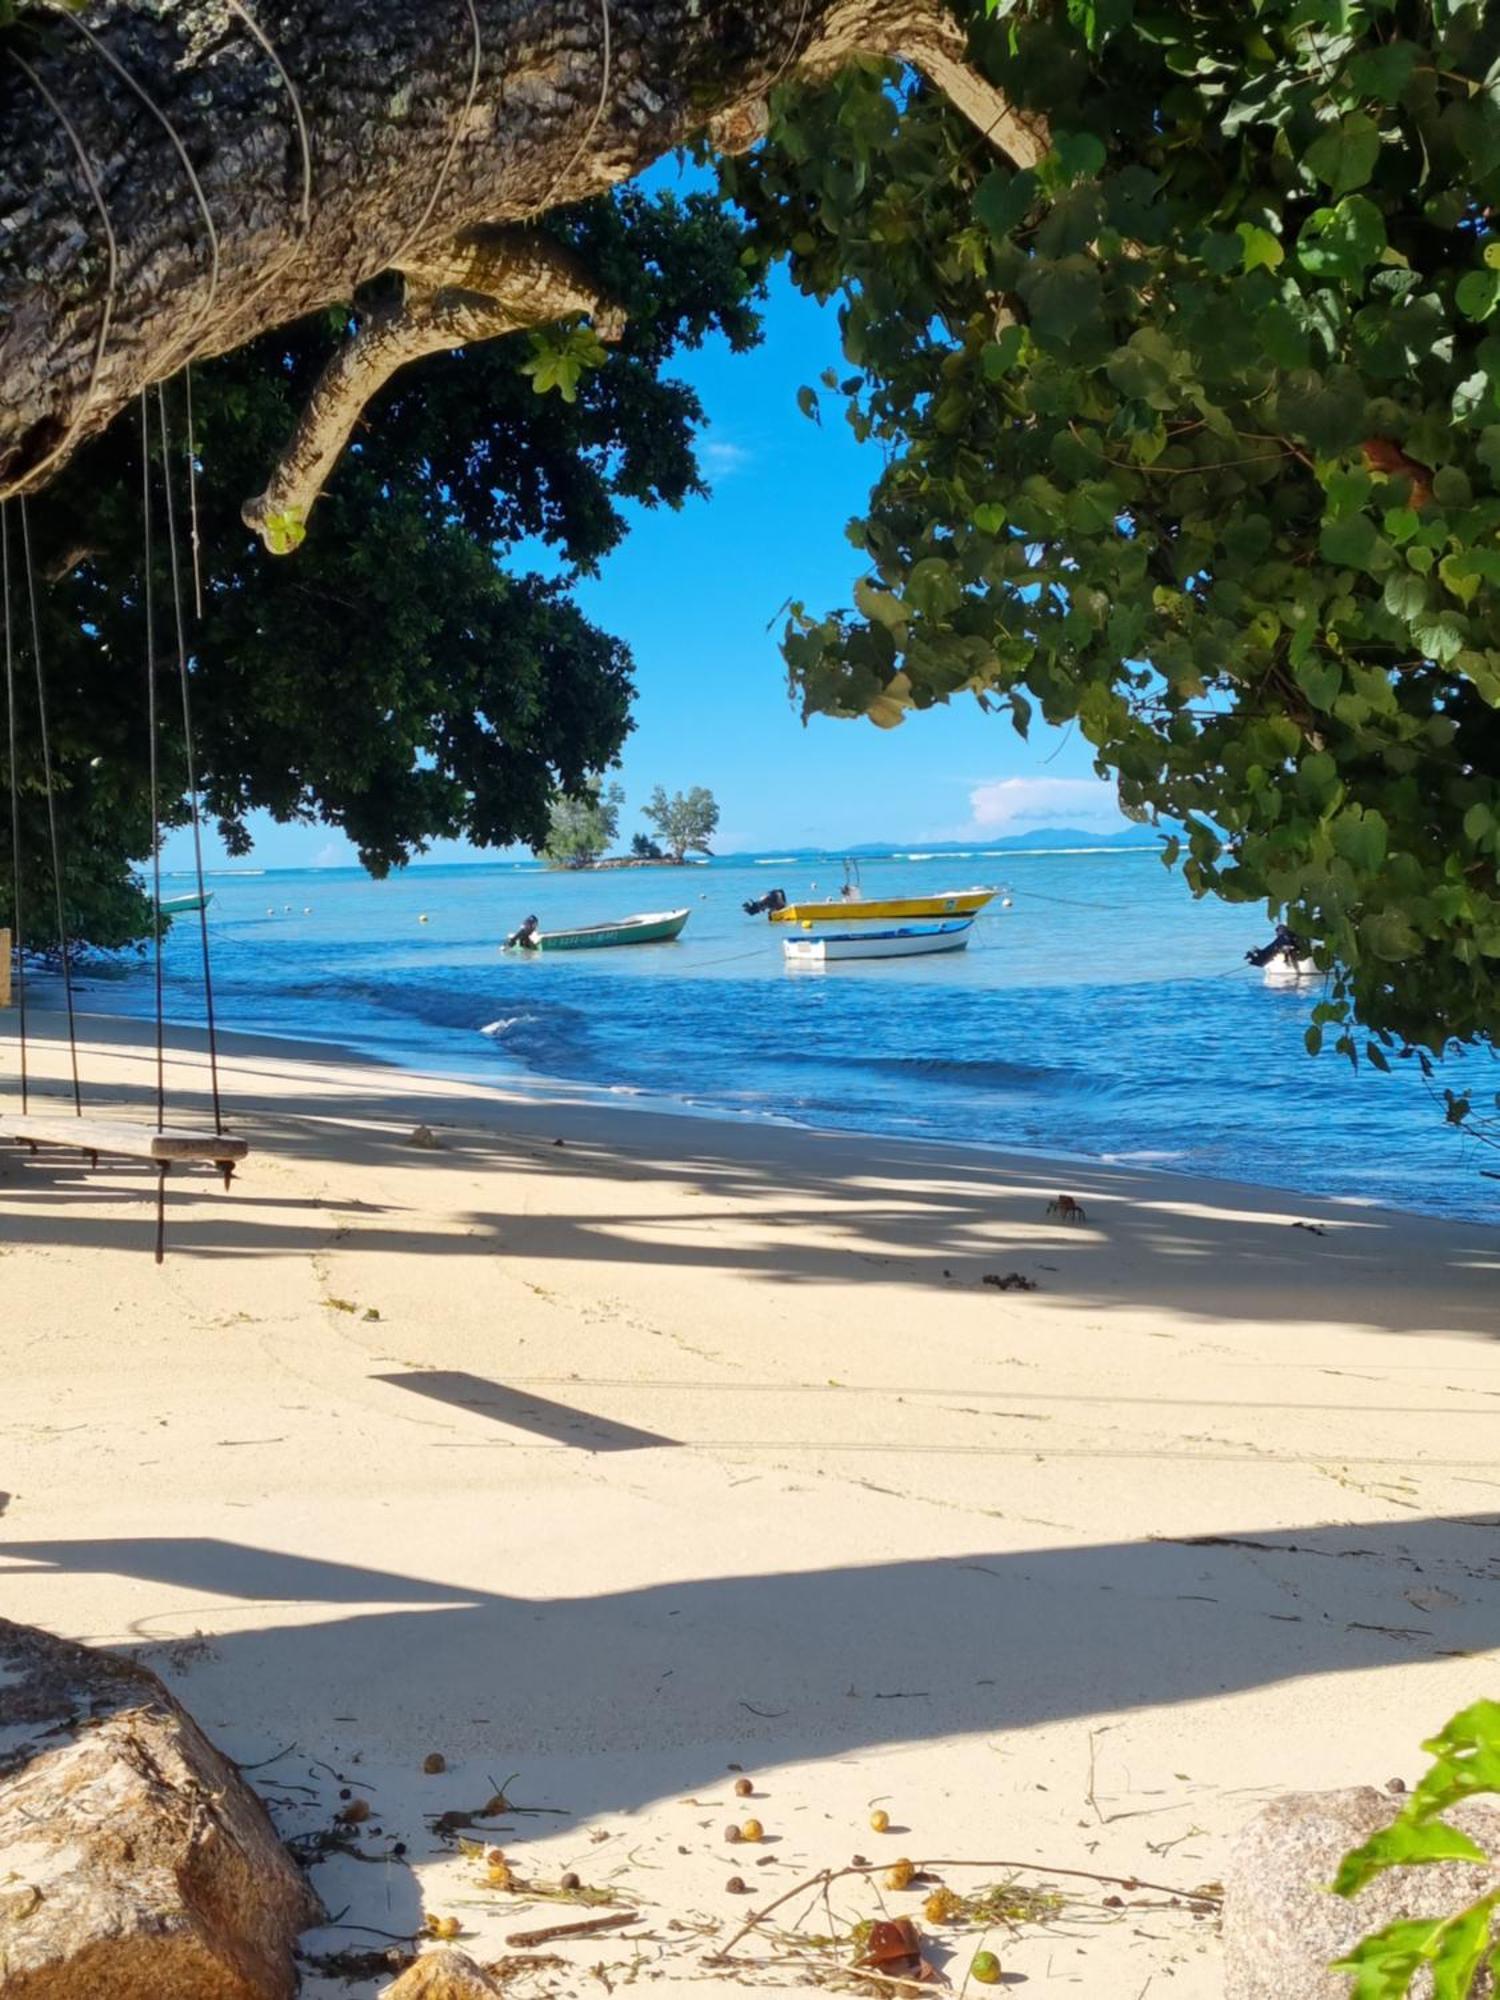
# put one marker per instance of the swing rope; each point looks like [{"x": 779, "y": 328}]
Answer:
[
  {"x": 192, "y": 772},
  {"x": 65, "y": 942},
  {"x": 158, "y": 1145},
  {"x": 15, "y": 805},
  {"x": 161, "y": 1053}
]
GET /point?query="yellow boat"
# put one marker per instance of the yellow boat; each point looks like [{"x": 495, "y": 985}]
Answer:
[{"x": 855, "y": 909}]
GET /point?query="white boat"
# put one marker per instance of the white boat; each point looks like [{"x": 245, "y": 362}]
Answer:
[
  {"x": 903, "y": 941},
  {"x": 1285, "y": 961},
  {"x": 1281, "y": 971}
]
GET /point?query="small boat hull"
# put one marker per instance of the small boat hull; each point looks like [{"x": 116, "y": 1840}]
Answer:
[
  {"x": 909, "y": 941},
  {"x": 656, "y": 927},
  {"x": 1283, "y": 971},
  {"x": 184, "y": 906},
  {"x": 951, "y": 903}
]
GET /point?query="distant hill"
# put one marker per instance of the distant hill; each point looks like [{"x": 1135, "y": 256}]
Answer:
[{"x": 1033, "y": 837}]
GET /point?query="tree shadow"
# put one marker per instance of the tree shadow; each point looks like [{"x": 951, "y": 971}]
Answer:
[
  {"x": 825, "y": 1209},
  {"x": 863, "y": 1655}
]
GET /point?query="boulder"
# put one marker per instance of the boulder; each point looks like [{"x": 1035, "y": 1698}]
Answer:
[
  {"x": 135, "y": 1861},
  {"x": 443, "y": 1975},
  {"x": 1282, "y": 1927}
]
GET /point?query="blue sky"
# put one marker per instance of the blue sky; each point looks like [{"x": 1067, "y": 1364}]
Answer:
[{"x": 696, "y": 595}]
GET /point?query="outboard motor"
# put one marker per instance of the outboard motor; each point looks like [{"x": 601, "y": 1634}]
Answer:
[
  {"x": 1285, "y": 944},
  {"x": 763, "y": 906},
  {"x": 525, "y": 937}
]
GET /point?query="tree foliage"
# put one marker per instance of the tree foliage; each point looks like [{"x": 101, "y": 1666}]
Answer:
[
  {"x": 1453, "y": 1946},
  {"x": 393, "y": 680},
  {"x": 1192, "y": 441},
  {"x": 584, "y": 826},
  {"x": 686, "y": 821}
]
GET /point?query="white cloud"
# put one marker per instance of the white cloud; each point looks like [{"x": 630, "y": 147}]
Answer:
[
  {"x": 722, "y": 459},
  {"x": 337, "y": 854},
  {"x": 1007, "y": 805}
]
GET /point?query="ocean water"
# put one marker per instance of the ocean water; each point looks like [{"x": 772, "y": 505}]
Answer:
[{"x": 1104, "y": 1013}]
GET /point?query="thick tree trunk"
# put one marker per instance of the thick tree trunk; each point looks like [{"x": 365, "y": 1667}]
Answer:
[{"x": 177, "y": 176}]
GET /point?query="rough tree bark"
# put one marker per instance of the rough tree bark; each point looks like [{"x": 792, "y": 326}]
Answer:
[{"x": 178, "y": 176}]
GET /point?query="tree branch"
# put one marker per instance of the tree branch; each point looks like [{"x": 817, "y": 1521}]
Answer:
[
  {"x": 291, "y": 158},
  {"x": 485, "y": 283}
]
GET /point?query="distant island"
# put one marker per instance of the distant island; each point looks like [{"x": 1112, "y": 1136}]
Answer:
[{"x": 1037, "y": 836}]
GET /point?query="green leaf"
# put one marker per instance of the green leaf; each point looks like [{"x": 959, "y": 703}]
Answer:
[
  {"x": 285, "y": 531},
  {"x": 998, "y": 357},
  {"x": 807, "y": 403},
  {"x": 1079, "y": 155},
  {"x": 1342, "y": 242},
  {"x": 1384, "y": 72},
  {"x": 1144, "y": 368},
  {"x": 1062, "y": 294},
  {"x": 1360, "y": 837},
  {"x": 1459, "y": 1953},
  {"x": 1477, "y": 293},
  {"x": 1459, "y": 576},
  {"x": 1405, "y": 595},
  {"x": 1260, "y": 250},
  {"x": 1328, "y": 411},
  {"x": 880, "y": 606},
  {"x": 1406, "y": 1842},
  {"x": 1344, "y": 157},
  {"x": 1320, "y": 680},
  {"x": 1352, "y": 542},
  {"x": 1002, "y": 200}
]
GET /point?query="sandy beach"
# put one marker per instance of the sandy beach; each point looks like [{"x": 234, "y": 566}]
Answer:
[{"x": 603, "y": 1452}]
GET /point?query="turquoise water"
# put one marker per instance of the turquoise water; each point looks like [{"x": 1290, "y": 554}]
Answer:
[{"x": 1105, "y": 1013}]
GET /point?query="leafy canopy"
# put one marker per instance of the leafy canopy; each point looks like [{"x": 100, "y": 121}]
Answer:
[
  {"x": 394, "y": 678},
  {"x": 1192, "y": 441},
  {"x": 686, "y": 821},
  {"x": 581, "y": 828}
]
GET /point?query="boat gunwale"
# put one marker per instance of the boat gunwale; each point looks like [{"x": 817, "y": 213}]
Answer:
[
  {"x": 945, "y": 929},
  {"x": 619, "y": 923}
]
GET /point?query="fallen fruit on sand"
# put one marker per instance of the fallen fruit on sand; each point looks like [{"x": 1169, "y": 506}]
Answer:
[
  {"x": 942, "y": 1906},
  {"x": 570, "y": 1881},
  {"x": 434, "y": 1762},
  {"x": 736, "y": 1885},
  {"x": 986, "y": 1968},
  {"x": 743, "y": 1788},
  {"x": 880, "y": 1821},
  {"x": 900, "y": 1876},
  {"x": 443, "y": 1927},
  {"x": 355, "y": 1811},
  {"x": 732, "y": 1833},
  {"x": 752, "y": 1830},
  {"x": 500, "y": 1876}
]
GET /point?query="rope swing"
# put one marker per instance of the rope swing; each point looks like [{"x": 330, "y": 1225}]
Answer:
[{"x": 159, "y": 1145}]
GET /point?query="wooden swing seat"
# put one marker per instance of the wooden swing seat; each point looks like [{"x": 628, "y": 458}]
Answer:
[{"x": 117, "y": 1136}]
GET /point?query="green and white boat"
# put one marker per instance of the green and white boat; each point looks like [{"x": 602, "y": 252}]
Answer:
[
  {"x": 656, "y": 927},
  {"x": 185, "y": 905}
]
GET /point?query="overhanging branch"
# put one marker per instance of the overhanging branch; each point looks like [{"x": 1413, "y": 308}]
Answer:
[{"x": 486, "y": 283}]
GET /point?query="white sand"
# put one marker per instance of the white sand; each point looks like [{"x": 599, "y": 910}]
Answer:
[{"x": 692, "y": 1444}]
